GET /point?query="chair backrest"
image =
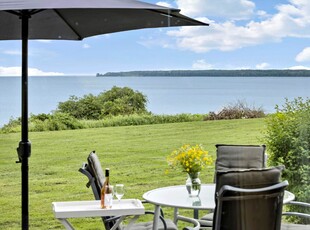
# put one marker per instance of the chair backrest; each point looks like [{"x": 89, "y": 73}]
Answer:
[
  {"x": 94, "y": 172},
  {"x": 249, "y": 199},
  {"x": 239, "y": 156}
]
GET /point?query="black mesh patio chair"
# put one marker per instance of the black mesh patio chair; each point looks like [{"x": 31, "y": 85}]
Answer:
[
  {"x": 93, "y": 170},
  {"x": 248, "y": 199},
  {"x": 237, "y": 157},
  {"x": 303, "y": 215}
]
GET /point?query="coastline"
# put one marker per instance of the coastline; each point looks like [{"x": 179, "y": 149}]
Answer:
[{"x": 209, "y": 73}]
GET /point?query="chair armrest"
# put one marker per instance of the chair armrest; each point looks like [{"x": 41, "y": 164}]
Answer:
[
  {"x": 205, "y": 223},
  {"x": 181, "y": 218},
  {"x": 91, "y": 180},
  {"x": 161, "y": 210},
  {"x": 226, "y": 188},
  {"x": 114, "y": 218},
  {"x": 84, "y": 164},
  {"x": 298, "y": 203},
  {"x": 160, "y": 217},
  {"x": 190, "y": 220},
  {"x": 299, "y": 214},
  {"x": 84, "y": 170}
]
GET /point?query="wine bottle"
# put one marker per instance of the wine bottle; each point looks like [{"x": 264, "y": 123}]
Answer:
[
  {"x": 106, "y": 191},
  {"x": 108, "y": 196}
]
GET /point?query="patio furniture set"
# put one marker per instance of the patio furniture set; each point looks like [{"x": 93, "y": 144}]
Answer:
[{"x": 245, "y": 195}]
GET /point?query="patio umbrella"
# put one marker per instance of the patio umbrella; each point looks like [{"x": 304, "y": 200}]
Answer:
[{"x": 72, "y": 20}]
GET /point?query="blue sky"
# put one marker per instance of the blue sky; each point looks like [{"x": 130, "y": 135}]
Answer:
[{"x": 243, "y": 34}]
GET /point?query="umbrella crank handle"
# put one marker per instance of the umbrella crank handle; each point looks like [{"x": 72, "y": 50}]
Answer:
[
  {"x": 19, "y": 157},
  {"x": 23, "y": 150}
]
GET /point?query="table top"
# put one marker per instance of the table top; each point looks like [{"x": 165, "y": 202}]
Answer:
[
  {"x": 177, "y": 197},
  {"x": 74, "y": 209}
]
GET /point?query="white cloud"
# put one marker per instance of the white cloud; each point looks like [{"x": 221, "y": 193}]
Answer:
[
  {"x": 86, "y": 46},
  {"x": 299, "y": 67},
  {"x": 13, "y": 52},
  {"x": 31, "y": 52},
  {"x": 155, "y": 40},
  {"x": 201, "y": 64},
  {"x": 165, "y": 4},
  {"x": 236, "y": 10},
  {"x": 303, "y": 56},
  {"x": 262, "y": 14},
  {"x": 37, "y": 72},
  {"x": 16, "y": 71},
  {"x": 43, "y": 41},
  {"x": 263, "y": 65},
  {"x": 290, "y": 20}
]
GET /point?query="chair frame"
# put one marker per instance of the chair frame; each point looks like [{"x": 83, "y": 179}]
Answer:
[
  {"x": 276, "y": 190},
  {"x": 110, "y": 221},
  {"x": 208, "y": 219},
  {"x": 86, "y": 170},
  {"x": 299, "y": 214}
]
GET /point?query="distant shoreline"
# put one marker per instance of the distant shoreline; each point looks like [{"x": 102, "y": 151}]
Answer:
[{"x": 210, "y": 73}]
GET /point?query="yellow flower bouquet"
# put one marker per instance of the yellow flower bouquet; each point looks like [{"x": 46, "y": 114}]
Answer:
[{"x": 191, "y": 159}]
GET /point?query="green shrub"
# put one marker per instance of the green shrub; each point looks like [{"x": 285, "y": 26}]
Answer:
[
  {"x": 141, "y": 119},
  {"x": 122, "y": 101},
  {"x": 117, "y": 101},
  {"x": 87, "y": 107},
  {"x": 52, "y": 122},
  {"x": 288, "y": 140},
  {"x": 13, "y": 126},
  {"x": 63, "y": 121},
  {"x": 238, "y": 110}
]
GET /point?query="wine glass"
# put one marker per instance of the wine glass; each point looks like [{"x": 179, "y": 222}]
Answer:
[{"x": 119, "y": 191}]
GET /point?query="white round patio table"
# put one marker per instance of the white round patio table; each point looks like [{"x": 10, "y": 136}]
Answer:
[{"x": 177, "y": 197}]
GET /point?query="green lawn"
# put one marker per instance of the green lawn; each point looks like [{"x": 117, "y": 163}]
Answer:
[{"x": 136, "y": 156}]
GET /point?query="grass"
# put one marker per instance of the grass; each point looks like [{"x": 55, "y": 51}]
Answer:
[{"x": 136, "y": 156}]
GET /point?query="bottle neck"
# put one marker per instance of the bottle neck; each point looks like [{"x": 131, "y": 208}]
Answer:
[{"x": 107, "y": 172}]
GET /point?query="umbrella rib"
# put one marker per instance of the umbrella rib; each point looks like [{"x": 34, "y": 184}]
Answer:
[
  {"x": 18, "y": 13},
  {"x": 170, "y": 14},
  {"x": 67, "y": 23},
  {"x": 32, "y": 12}
]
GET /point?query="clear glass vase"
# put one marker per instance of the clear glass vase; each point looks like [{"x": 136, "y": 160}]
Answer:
[{"x": 193, "y": 184}]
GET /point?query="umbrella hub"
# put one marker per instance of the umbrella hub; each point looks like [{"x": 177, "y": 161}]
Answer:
[{"x": 23, "y": 150}]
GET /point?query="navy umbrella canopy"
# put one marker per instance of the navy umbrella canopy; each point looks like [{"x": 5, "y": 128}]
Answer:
[{"x": 72, "y": 20}]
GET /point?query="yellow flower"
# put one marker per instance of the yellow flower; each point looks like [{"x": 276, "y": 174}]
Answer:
[{"x": 190, "y": 159}]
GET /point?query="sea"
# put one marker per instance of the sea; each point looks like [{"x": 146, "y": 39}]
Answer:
[{"x": 166, "y": 95}]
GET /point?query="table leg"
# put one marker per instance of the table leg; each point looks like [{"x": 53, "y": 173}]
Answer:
[
  {"x": 118, "y": 222},
  {"x": 156, "y": 217},
  {"x": 196, "y": 214},
  {"x": 132, "y": 221},
  {"x": 65, "y": 223},
  {"x": 175, "y": 215}
]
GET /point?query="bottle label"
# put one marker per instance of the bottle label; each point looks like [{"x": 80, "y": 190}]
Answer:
[{"x": 108, "y": 200}]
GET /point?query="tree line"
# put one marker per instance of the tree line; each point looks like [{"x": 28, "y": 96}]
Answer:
[{"x": 210, "y": 73}]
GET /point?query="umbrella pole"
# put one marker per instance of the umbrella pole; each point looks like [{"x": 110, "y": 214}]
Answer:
[{"x": 24, "y": 148}]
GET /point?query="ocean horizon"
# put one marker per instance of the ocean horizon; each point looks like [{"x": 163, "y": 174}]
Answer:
[{"x": 166, "y": 95}]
